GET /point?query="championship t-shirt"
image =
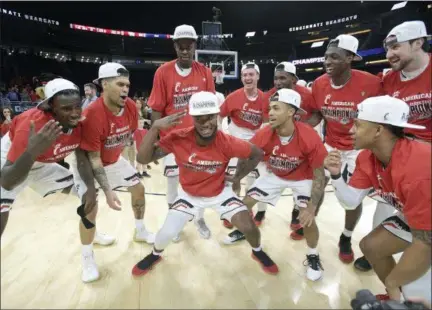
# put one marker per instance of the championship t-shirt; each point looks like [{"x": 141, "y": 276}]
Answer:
[{"x": 202, "y": 168}]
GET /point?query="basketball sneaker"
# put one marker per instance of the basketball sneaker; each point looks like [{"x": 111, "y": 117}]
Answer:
[
  {"x": 203, "y": 229},
  {"x": 103, "y": 239},
  {"x": 146, "y": 264},
  {"x": 234, "y": 237},
  {"x": 346, "y": 254},
  {"x": 362, "y": 264},
  {"x": 314, "y": 267},
  {"x": 142, "y": 235},
  {"x": 90, "y": 270},
  {"x": 227, "y": 224},
  {"x": 295, "y": 223},
  {"x": 297, "y": 234},
  {"x": 259, "y": 218},
  {"x": 267, "y": 264}
]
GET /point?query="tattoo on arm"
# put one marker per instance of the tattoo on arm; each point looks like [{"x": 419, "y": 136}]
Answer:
[
  {"x": 423, "y": 235},
  {"x": 99, "y": 171},
  {"x": 318, "y": 186},
  {"x": 84, "y": 168}
]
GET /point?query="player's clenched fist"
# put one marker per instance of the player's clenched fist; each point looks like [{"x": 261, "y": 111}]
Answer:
[{"x": 333, "y": 162}]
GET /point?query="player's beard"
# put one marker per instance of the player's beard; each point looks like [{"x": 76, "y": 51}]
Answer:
[{"x": 209, "y": 138}]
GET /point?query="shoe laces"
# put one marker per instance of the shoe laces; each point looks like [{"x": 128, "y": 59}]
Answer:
[{"x": 313, "y": 261}]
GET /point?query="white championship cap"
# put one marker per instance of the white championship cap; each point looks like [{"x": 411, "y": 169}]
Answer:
[
  {"x": 288, "y": 96},
  {"x": 348, "y": 43},
  {"x": 184, "y": 32},
  {"x": 406, "y": 31},
  {"x": 302, "y": 83},
  {"x": 288, "y": 67},
  {"x": 386, "y": 110},
  {"x": 250, "y": 65},
  {"x": 55, "y": 86},
  {"x": 203, "y": 103},
  {"x": 109, "y": 70}
]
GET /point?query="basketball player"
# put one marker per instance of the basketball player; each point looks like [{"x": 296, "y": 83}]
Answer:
[
  {"x": 285, "y": 77},
  {"x": 410, "y": 80},
  {"x": 173, "y": 85},
  {"x": 336, "y": 95},
  {"x": 109, "y": 124},
  {"x": 245, "y": 108},
  {"x": 40, "y": 137},
  {"x": 294, "y": 154},
  {"x": 202, "y": 153},
  {"x": 399, "y": 169}
]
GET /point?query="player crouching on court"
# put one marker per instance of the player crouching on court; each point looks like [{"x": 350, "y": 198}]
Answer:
[
  {"x": 40, "y": 137},
  {"x": 202, "y": 153},
  {"x": 294, "y": 154},
  {"x": 400, "y": 171}
]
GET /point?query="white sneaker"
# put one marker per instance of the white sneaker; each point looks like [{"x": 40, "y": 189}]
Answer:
[
  {"x": 314, "y": 267},
  {"x": 143, "y": 235},
  {"x": 203, "y": 230},
  {"x": 103, "y": 239},
  {"x": 90, "y": 270}
]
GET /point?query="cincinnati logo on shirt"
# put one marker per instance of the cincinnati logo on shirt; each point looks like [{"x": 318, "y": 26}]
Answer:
[
  {"x": 391, "y": 199},
  {"x": 182, "y": 96},
  {"x": 250, "y": 115},
  {"x": 60, "y": 151},
  {"x": 339, "y": 111},
  {"x": 283, "y": 162},
  {"x": 197, "y": 165},
  {"x": 119, "y": 138},
  {"x": 420, "y": 106}
]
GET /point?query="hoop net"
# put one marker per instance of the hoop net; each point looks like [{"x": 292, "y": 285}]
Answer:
[{"x": 218, "y": 76}]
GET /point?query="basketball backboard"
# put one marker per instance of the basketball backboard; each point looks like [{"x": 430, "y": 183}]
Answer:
[{"x": 225, "y": 61}]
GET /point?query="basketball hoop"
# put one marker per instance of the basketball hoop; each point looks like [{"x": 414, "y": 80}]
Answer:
[{"x": 218, "y": 76}]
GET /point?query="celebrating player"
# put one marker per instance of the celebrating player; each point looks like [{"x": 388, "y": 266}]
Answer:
[
  {"x": 294, "y": 154},
  {"x": 40, "y": 137},
  {"x": 202, "y": 153},
  {"x": 109, "y": 124},
  {"x": 245, "y": 108},
  {"x": 173, "y": 85},
  {"x": 400, "y": 171},
  {"x": 336, "y": 95}
]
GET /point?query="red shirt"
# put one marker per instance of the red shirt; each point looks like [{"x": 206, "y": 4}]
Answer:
[
  {"x": 138, "y": 136},
  {"x": 339, "y": 106},
  {"x": 243, "y": 112},
  {"x": 405, "y": 183},
  {"x": 202, "y": 168},
  {"x": 108, "y": 133},
  {"x": 20, "y": 130},
  {"x": 417, "y": 93},
  {"x": 171, "y": 92},
  {"x": 306, "y": 101},
  {"x": 4, "y": 128},
  {"x": 294, "y": 159}
]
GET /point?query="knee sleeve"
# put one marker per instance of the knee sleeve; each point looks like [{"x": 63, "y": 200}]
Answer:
[
  {"x": 172, "y": 189},
  {"x": 383, "y": 211},
  {"x": 173, "y": 225},
  {"x": 87, "y": 224}
]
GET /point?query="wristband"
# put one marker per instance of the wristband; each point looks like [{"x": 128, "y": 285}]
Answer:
[{"x": 335, "y": 177}]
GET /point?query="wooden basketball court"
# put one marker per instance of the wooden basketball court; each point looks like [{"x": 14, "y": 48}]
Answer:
[{"x": 41, "y": 260}]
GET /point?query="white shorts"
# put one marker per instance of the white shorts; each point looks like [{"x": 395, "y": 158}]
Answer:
[
  {"x": 120, "y": 174},
  {"x": 232, "y": 167},
  {"x": 269, "y": 187},
  {"x": 170, "y": 166},
  {"x": 227, "y": 203},
  {"x": 43, "y": 178},
  {"x": 398, "y": 226},
  {"x": 348, "y": 162}
]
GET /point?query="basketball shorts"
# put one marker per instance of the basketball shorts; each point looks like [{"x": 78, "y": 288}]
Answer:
[
  {"x": 348, "y": 162},
  {"x": 268, "y": 188},
  {"x": 227, "y": 203},
  {"x": 120, "y": 174},
  {"x": 43, "y": 178},
  {"x": 232, "y": 167},
  {"x": 170, "y": 166}
]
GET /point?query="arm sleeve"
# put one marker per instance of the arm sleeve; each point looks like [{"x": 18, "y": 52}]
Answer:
[
  {"x": 417, "y": 208},
  {"x": 19, "y": 145},
  {"x": 237, "y": 148},
  {"x": 166, "y": 143},
  {"x": 158, "y": 96},
  {"x": 210, "y": 82},
  {"x": 92, "y": 129},
  {"x": 349, "y": 197}
]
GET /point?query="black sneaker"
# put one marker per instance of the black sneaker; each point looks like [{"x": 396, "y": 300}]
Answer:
[
  {"x": 146, "y": 264},
  {"x": 346, "y": 254},
  {"x": 295, "y": 223},
  {"x": 259, "y": 217},
  {"x": 233, "y": 237},
  {"x": 362, "y": 264},
  {"x": 267, "y": 264},
  {"x": 314, "y": 270},
  {"x": 145, "y": 174}
]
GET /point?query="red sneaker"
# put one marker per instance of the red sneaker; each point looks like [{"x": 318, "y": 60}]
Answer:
[{"x": 227, "y": 224}]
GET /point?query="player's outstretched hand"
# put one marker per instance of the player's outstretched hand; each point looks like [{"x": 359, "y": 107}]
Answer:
[
  {"x": 113, "y": 201},
  {"x": 333, "y": 162},
  {"x": 307, "y": 216},
  {"x": 169, "y": 121},
  {"x": 39, "y": 142}
]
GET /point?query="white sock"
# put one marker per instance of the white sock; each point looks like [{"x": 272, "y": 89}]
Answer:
[
  {"x": 347, "y": 233},
  {"x": 257, "y": 249},
  {"x": 312, "y": 251},
  {"x": 156, "y": 253},
  {"x": 87, "y": 250},
  {"x": 139, "y": 224}
]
